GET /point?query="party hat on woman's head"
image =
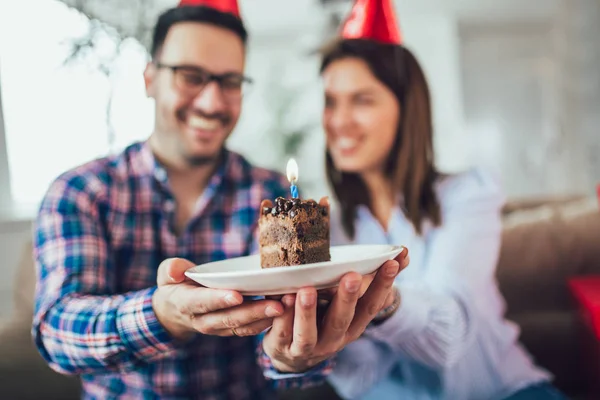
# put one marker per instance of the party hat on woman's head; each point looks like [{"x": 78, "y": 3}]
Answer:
[
  {"x": 228, "y": 6},
  {"x": 374, "y": 20}
]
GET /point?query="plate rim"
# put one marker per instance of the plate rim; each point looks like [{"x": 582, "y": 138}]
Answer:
[{"x": 277, "y": 270}]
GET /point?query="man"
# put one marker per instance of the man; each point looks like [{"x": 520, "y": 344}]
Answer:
[{"x": 113, "y": 238}]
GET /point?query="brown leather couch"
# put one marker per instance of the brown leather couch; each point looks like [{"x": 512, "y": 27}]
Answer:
[{"x": 544, "y": 242}]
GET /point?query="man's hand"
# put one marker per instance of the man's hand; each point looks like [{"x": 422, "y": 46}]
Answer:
[
  {"x": 294, "y": 344},
  {"x": 184, "y": 308}
]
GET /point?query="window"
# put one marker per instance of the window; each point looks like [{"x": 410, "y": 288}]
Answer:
[{"x": 55, "y": 114}]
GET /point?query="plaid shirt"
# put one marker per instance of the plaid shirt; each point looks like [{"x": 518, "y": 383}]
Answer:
[{"x": 101, "y": 232}]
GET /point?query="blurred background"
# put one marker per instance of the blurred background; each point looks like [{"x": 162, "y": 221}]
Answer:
[{"x": 515, "y": 84}]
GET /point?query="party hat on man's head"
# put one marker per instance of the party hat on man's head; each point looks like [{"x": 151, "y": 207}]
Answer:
[
  {"x": 374, "y": 20},
  {"x": 228, "y": 6}
]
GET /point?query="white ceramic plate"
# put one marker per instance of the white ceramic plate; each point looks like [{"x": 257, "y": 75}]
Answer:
[{"x": 245, "y": 275}]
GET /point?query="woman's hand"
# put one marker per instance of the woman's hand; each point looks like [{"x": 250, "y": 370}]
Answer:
[
  {"x": 297, "y": 342},
  {"x": 326, "y": 295}
]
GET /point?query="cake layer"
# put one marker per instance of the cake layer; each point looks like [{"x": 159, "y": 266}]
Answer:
[
  {"x": 301, "y": 247},
  {"x": 279, "y": 231},
  {"x": 277, "y": 256}
]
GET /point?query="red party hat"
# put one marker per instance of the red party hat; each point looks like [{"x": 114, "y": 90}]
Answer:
[
  {"x": 228, "y": 6},
  {"x": 374, "y": 20}
]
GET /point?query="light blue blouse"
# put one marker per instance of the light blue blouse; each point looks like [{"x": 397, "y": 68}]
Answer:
[{"x": 448, "y": 339}]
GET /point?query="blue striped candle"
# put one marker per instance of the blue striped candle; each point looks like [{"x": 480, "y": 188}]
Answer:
[{"x": 292, "y": 175}]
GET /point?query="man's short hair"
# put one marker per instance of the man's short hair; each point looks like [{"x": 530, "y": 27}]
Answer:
[{"x": 200, "y": 14}]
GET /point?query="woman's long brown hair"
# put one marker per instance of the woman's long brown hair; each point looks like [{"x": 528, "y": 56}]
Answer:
[{"x": 410, "y": 165}]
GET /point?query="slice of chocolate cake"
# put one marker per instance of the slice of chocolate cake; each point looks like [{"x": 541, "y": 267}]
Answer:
[{"x": 293, "y": 232}]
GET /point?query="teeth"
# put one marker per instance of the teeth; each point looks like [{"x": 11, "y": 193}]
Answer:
[
  {"x": 346, "y": 143},
  {"x": 203, "y": 123}
]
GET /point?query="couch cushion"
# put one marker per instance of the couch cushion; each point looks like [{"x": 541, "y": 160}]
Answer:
[
  {"x": 24, "y": 290},
  {"x": 24, "y": 374},
  {"x": 541, "y": 248}
]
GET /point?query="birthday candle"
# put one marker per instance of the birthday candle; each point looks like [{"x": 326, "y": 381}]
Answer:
[{"x": 292, "y": 176}]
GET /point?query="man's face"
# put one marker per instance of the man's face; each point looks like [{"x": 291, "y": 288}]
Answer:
[{"x": 195, "y": 115}]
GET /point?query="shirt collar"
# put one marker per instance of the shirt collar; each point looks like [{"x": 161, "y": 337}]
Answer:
[{"x": 150, "y": 166}]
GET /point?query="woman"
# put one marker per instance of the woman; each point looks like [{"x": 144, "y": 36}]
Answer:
[{"x": 444, "y": 337}]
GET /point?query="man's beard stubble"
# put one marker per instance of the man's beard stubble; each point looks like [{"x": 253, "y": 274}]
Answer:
[
  {"x": 204, "y": 160},
  {"x": 201, "y": 161}
]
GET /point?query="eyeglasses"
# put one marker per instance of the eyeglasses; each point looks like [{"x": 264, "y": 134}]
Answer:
[{"x": 191, "y": 80}]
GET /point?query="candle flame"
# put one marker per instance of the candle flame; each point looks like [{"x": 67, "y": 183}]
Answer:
[{"x": 292, "y": 171}]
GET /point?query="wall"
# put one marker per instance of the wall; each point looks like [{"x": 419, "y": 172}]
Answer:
[
  {"x": 578, "y": 49},
  {"x": 285, "y": 99},
  {"x": 532, "y": 95},
  {"x": 5, "y": 197},
  {"x": 509, "y": 75},
  {"x": 12, "y": 234},
  {"x": 434, "y": 38}
]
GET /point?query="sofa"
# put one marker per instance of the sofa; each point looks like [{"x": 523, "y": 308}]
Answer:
[{"x": 544, "y": 243}]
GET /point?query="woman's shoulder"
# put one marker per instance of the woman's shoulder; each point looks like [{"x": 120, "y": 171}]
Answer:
[{"x": 471, "y": 188}]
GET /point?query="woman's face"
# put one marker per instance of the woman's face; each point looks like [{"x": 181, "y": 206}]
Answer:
[{"x": 361, "y": 117}]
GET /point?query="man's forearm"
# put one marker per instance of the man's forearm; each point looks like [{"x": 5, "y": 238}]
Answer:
[{"x": 83, "y": 334}]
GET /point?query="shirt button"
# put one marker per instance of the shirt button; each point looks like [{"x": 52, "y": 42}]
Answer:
[
  {"x": 169, "y": 206},
  {"x": 161, "y": 174}
]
